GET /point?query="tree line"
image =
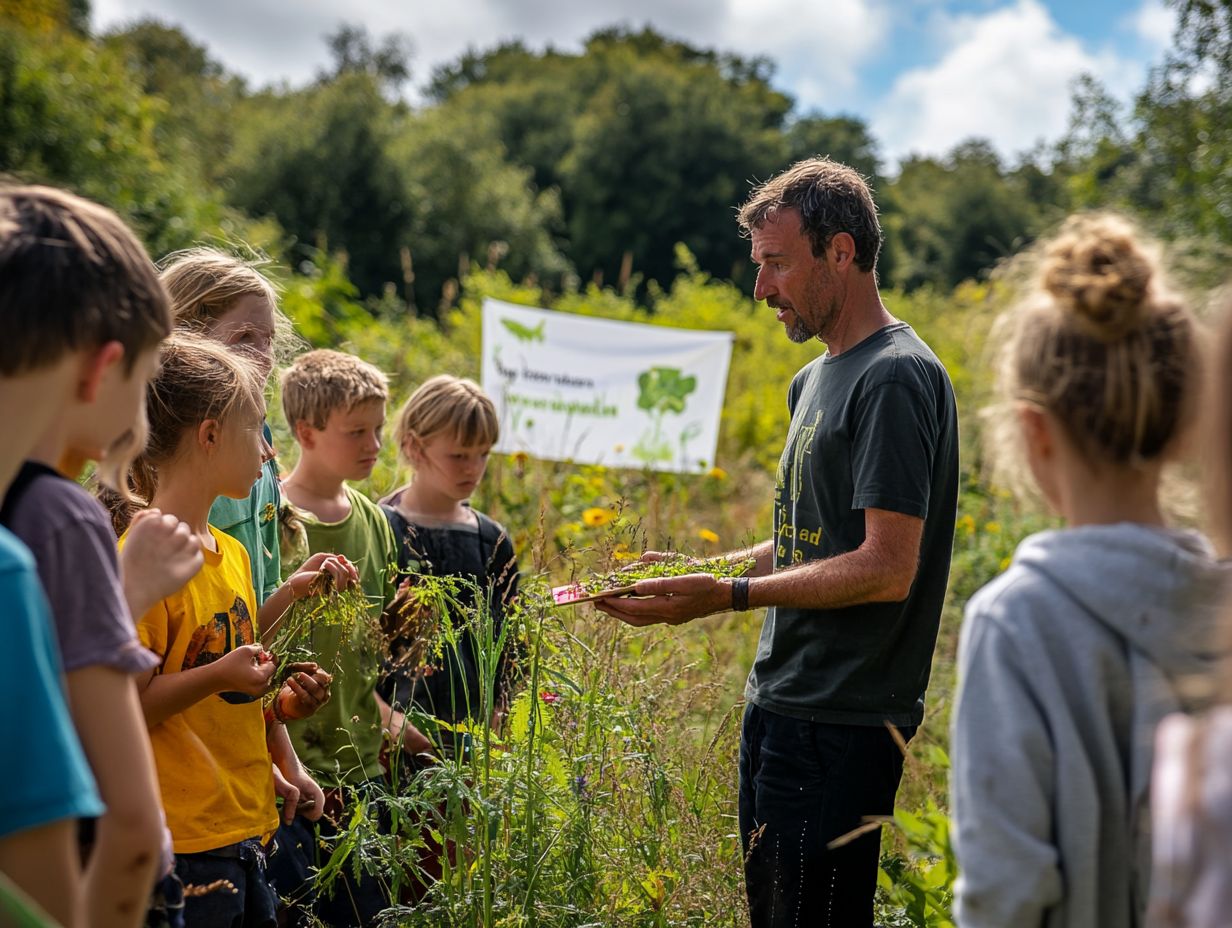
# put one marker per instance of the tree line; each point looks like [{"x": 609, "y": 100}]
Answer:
[{"x": 564, "y": 168}]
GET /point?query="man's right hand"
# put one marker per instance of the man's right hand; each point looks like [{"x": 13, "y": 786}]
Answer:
[{"x": 160, "y": 555}]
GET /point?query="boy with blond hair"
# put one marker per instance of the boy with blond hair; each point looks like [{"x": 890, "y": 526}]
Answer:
[{"x": 335, "y": 406}]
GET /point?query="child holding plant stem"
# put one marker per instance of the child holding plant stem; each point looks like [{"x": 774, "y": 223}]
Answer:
[
  {"x": 445, "y": 432},
  {"x": 227, "y": 299},
  {"x": 335, "y": 406},
  {"x": 1069, "y": 659},
  {"x": 211, "y": 744}
]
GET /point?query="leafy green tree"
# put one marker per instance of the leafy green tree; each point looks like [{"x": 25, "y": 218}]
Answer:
[
  {"x": 353, "y": 50},
  {"x": 467, "y": 201},
  {"x": 318, "y": 161},
  {"x": 650, "y": 141},
  {"x": 843, "y": 138},
  {"x": 952, "y": 220},
  {"x": 72, "y": 114},
  {"x": 660, "y": 155}
]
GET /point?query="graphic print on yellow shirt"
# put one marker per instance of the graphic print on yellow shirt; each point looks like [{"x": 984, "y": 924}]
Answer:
[
  {"x": 214, "y": 768},
  {"x": 213, "y": 639}
]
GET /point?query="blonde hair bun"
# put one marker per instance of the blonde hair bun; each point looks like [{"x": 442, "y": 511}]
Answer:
[{"x": 1097, "y": 269}]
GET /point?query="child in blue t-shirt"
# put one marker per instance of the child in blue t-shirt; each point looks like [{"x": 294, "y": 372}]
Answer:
[{"x": 74, "y": 279}]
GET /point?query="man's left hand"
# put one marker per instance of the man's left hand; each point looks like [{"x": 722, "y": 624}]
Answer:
[{"x": 670, "y": 600}]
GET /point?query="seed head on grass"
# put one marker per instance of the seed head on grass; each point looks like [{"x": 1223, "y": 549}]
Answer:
[{"x": 325, "y": 606}]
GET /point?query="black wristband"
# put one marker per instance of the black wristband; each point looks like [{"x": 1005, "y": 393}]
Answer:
[{"x": 740, "y": 594}]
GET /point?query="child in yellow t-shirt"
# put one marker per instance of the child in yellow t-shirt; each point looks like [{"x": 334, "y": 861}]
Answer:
[{"x": 210, "y": 739}]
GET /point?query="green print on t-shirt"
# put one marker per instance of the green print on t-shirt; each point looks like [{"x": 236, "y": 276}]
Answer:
[
  {"x": 872, "y": 428},
  {"x": 800, "y": 441}
]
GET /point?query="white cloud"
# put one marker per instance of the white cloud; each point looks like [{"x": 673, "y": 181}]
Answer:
[
  {"x": 1005, "y": 75},
  {"x": 1153, "y": 23},
  {"x": 817, "y": 46}
]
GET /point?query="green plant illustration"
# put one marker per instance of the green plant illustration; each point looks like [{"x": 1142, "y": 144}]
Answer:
[
  {"x": 661, "y": 390},
  {"x": 524, "y": 333}
]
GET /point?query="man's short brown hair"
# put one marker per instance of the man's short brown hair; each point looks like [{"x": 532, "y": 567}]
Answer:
[
  {"x": 323, "y": 380},
  {"x": 830, "y": 198},
  {"x": 72, "y": 276}
]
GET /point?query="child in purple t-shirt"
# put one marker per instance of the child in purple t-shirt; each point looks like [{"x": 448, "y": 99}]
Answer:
[{"x": 69, "y": 533}]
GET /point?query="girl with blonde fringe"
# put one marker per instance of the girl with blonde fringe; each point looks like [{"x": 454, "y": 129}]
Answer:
[
  {"x": 212, "y": 745},
  {"x": 227, "y": 299},
  {"x": 1070, "y": 658},
  {"x": 1191, "y": 792}
]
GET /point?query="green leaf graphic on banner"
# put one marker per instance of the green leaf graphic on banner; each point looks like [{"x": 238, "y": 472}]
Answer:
[
  {"x": 660, "y": 390},
  {"x": 524, "y": 333},
  {"x": 663, "y": 390}
]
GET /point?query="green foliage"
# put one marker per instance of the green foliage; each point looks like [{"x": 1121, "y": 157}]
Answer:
[
  {"x": 679, "y": 566},
  {"x": 71, "y": 114},
  {"x": 950, "y": 220},
  {"x": 467, "y": 200},
  {"x": 318, "y": 161}
]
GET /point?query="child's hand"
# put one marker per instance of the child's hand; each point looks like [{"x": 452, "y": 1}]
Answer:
[
  {"x": 300, "y": 795},
  {"x": 247, "y": 670},
  {"x": 340, "y": 570},
  {"x": 160, "y": 555},
  {"x": 305, "y": 691}
]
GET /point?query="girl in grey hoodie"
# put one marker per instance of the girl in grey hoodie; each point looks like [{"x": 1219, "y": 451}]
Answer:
[{"x": 1070, "y": 658}]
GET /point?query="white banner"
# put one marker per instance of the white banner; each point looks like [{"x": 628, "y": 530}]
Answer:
[{"x": 594, "y": 391}]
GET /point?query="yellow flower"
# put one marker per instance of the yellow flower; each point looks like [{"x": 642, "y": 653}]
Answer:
[
  {"x": 520, "y": 457},
  {"x": 594, "y": 516},
  {"x": 706, "y": 535},
  {"x": 1005, "y": 562},
  {"x": 717, "y": 473},
  {"x": 967, "y": 524},
  {"x": 622, "y": 553},
  {"x": 992, "y": 528}
]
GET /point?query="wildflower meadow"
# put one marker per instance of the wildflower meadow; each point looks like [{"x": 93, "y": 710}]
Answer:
[{"x": 607, "y": 795}]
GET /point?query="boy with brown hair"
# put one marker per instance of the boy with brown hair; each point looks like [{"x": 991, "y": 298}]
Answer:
[
  {"x": 334, "y": 404},
  {"x": 81, "y": 309}
]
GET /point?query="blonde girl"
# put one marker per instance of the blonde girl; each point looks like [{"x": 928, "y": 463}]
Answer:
[
  {"x": 201, "y": 703},
  {"x": 444, "y": 433},
  {"x": 1068, "y": 660},
  {"x": 228, "y": 299}
]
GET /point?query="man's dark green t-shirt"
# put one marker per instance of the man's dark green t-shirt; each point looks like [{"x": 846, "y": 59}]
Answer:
[{"x": 872, "y": 428}]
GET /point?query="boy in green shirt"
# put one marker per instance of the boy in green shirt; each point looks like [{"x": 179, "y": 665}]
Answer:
[{"x": 335, "y": 406}]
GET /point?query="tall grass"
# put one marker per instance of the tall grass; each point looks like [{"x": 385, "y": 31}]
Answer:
[{"x": 608, "y": 795}]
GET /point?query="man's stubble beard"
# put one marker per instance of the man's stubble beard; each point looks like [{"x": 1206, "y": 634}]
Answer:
[{"x": 821, "y": 302}]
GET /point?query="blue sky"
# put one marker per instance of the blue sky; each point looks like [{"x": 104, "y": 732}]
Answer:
[{"x": 925, "y": 74}]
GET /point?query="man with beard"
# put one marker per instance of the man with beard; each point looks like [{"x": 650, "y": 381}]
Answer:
[{"x": 855, "y": 574}]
